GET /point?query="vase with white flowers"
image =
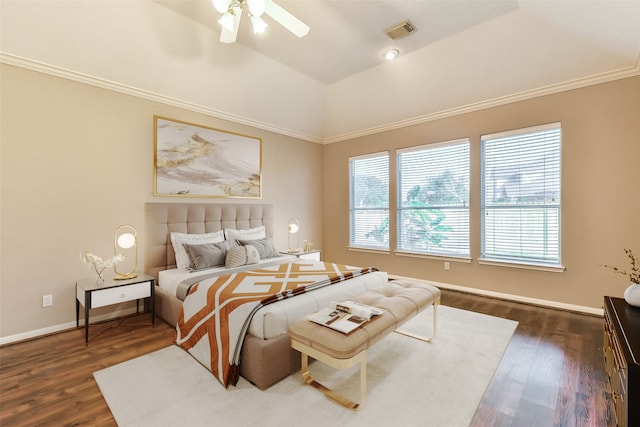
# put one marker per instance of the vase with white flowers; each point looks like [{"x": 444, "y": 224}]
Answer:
[
  {"x": 632, "y": 293},
  {"x": 98, "y": 264}
]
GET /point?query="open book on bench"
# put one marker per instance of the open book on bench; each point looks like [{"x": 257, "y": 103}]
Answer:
[{"x": 345, "y": 316}]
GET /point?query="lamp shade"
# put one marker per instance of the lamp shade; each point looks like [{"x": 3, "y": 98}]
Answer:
[
  {"x": 258, "y": 24},
  {"x": 227, "y": 21},
  {"x": 126, "y": 240},
  {"x": 256, "y": 7},
  {"x": 125, "y": 237}
]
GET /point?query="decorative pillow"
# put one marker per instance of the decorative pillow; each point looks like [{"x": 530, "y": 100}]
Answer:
[
  {"x": 183, "y": 262},
  {"x": 208, "y": 255},
  {"x": 264, "y": 246},
  {"x": 242, "y": 255},
  {"x": 247, "y": 234}
]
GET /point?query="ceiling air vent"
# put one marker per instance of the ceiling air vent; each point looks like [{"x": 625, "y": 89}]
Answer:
[{"x": 400, "y": 30}]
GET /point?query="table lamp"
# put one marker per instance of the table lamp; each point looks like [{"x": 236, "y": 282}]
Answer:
[
  {"x": 126, "y": 238},
  {"x": 294, "y": 235}
]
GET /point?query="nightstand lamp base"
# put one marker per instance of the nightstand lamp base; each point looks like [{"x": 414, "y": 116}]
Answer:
[{"x": 125, "y": 276}]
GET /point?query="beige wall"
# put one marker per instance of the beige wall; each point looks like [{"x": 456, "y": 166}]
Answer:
[
  {"x": 600, "y": 199},
  {"x": 77, "y": 161}
]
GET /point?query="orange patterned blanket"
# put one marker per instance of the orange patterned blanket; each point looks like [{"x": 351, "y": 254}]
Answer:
[{"x": 217, "y": 311}]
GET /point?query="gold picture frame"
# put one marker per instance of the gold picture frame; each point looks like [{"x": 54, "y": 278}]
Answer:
[{"x": 198, "y": 161}]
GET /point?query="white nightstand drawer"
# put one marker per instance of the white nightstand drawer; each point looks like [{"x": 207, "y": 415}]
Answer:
[{"x": 120, "y": 294}]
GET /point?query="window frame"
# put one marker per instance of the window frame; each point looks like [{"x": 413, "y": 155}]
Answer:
[
  {"x": 465, "y": 254},
  {"x": 539, "y": 263},
  {"x": 353, "y": 232}
]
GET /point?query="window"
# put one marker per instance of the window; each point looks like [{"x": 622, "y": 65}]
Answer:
[
  {"x": 433, "y": 199},
  {"x": 521, "y": 196},
  {"x": 369, "y": 201}
]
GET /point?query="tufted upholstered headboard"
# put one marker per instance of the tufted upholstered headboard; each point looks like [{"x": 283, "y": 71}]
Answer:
[{"x": 163, "y": 218}]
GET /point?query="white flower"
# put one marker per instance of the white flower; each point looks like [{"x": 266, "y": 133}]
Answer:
[{"x": 98, "y": 264}]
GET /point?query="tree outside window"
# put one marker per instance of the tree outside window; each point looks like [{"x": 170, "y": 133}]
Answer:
[{"x": 433, "y": 212}]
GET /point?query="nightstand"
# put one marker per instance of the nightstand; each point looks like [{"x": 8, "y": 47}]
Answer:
[
  {"x": 93, "y": 295},
  {"x": 312, "y": 255}
]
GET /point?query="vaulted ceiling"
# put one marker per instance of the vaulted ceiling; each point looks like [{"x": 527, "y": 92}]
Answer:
[
  {"x": 347, "y": 37},
  {"x": 332, "y": 84}
]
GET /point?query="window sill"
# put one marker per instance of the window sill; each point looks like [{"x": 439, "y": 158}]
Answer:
[
  {"x": 466, "y": 260},
  {"x": 369, "y": 250},
  {"x": 513, "y": 264}
]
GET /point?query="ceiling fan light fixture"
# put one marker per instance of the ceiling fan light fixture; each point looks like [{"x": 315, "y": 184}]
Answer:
[
  {"x": 391, "y": 54},
  {"x": 256, "y": 7},
  {"x": 258, "y": 24},
  {"x": 227, "y": 20},
  {"x": 230, "y": 20}
]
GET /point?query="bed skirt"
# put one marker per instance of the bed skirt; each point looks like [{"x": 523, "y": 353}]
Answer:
[{"x": 263, "y": 362}]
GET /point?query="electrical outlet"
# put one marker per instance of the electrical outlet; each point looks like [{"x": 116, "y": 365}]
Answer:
[
  {"x": 446, "y": 265},
  {"x": 47, "y": 300}
]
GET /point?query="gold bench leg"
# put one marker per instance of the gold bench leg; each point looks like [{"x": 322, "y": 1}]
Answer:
[
  {"x": 335, "y": 363},
  {"x": 436, "y": 303},
  {"x": 361, "y": 358}
]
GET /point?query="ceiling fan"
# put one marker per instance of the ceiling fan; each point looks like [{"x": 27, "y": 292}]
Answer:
[{"x": 232, "y": 12}]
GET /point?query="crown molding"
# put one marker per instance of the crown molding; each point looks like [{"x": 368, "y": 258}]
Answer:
[
  {"x": 132, "y": 91},
  {"x": 622, "y": 73},
  {"x": 150, "y": 96}
]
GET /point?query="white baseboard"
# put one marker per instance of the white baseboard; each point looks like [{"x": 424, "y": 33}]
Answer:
[
  {"x": 510, "y": 297},
  {"x": 64, "y": 326}
]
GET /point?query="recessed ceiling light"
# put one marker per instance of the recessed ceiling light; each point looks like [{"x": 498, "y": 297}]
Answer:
[{"x": 390, "y": 54}]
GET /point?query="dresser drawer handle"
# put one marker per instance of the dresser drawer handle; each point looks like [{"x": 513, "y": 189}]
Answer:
[{"x": 123, "y": 295}]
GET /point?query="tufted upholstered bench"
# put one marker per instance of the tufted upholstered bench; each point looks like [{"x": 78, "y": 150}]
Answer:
[{"x": 401, "y": 300}]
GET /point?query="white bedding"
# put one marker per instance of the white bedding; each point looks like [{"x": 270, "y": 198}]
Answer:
[{"x": 273, "y": 320}]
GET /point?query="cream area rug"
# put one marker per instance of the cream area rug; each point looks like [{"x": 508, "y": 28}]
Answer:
[{"x": 409, "y": 383}]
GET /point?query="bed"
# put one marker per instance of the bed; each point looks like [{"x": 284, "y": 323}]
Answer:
[{"x": 266, "y": 355}]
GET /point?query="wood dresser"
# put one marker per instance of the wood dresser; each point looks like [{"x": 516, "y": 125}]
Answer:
[{"x": 622, "y": 359}]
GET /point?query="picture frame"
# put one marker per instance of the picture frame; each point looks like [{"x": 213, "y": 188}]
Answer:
[{"x": 192, "y": 160}]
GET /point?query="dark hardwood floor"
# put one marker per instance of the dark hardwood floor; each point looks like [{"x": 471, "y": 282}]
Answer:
[
  {"x": 552, "y": 373},
  {"x": 49, "y": 381}
]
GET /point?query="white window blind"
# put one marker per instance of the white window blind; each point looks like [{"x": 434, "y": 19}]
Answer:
[
  {"x": 369, "y": 201},
  {"x": 433, "y": 199},
  {"x": 520, "y": 196}
]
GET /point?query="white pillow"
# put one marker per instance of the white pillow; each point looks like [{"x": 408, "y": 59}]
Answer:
[
  {"x": 242, "y": 255},
  {"x": 248, "y": 234},
  {"x": 183, "y": 262}
]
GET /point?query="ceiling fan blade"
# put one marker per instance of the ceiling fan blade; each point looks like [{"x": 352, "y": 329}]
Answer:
[
  {"x": 286, "y": 19},
  {"x": 227, "y": 36}
]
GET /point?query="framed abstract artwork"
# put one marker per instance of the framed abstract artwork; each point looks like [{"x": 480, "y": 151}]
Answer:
[{"x": 199, "y": 161}]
